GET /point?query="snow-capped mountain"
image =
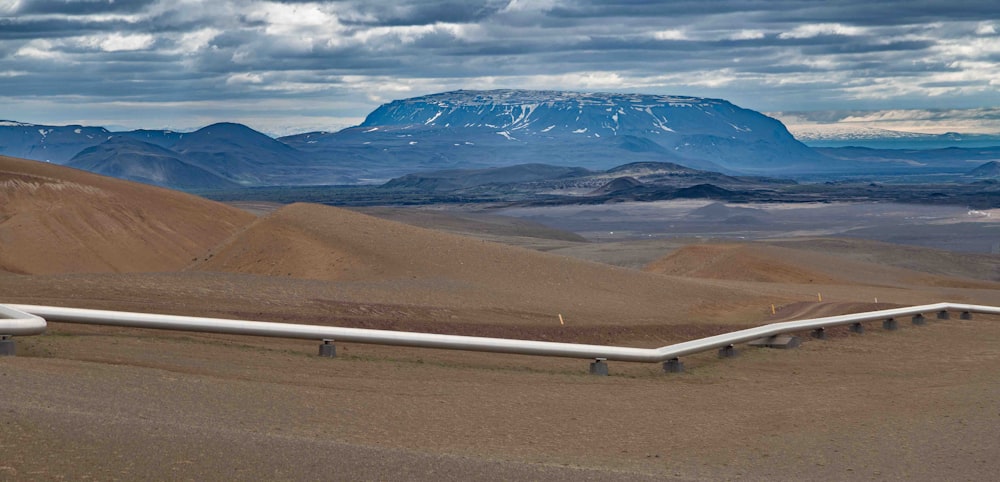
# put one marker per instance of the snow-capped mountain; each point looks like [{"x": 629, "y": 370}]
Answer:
[
  {"x": 844, "y": 135},
  {"x": 58, "y": 144},
  {"x": 690, "y": 130},
  {"x": 55, "y": 144},
  {"x": 531, "y": 113}
]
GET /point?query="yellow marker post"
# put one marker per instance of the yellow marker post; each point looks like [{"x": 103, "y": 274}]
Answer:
[
  {"x": 773, "y": 311},
  {"x": 819, "y": 296},
  {"x": 561, "y": 319}
]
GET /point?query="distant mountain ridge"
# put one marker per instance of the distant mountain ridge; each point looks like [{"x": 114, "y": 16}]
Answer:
[
  {"x": 640, "y": 181},
  {"x": 56, "y": 144},
  {"x": 478, "y": 130},
  {"x": 219, "y": 156},
  {"x": 823, "y": 135}
]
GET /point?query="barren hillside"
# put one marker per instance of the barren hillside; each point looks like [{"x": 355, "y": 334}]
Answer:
[
  {"x": 55, "y": 219},
  {"x": 402, "y": 264},
  {"x": 776, "y": 264}
]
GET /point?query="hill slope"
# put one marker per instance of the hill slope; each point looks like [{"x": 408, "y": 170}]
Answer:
[
  {"x": 54, "y": 219},
  {"x": 775, "y": 264},
  {"x": 989, "y": 169},
  {"x": 402, "y": 264},
  {"x": 239, "y": 153},
  {"x": 134, "y": 160}
]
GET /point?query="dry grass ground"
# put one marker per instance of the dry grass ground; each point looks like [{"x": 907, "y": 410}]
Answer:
[{"x": 114, "y": 403}]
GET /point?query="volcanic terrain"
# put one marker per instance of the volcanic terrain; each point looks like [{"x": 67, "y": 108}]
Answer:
[{"x": 103, "y": 402}]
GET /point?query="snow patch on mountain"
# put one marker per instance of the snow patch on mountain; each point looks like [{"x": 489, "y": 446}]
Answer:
[{"x": 708, "y": 132}]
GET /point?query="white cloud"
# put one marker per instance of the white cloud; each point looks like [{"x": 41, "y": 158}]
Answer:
[
  {"x": 9, "y": 6},
  {"x": 986, "y": 28},
  {"x": 117, "y": 42},
  {"x": 671, "y": 34},
  {"x": 191, "y": 42},
  {"x": 298, "y": 27},
  {"x": 818, "y": 29},
  {"x": 746, "y": 35},
  {"x": 38, "y": 49},
  {"x": 408, "y": 34},
  {"x": 291, "y": 19},
  {"x": 244, "y": 78}
]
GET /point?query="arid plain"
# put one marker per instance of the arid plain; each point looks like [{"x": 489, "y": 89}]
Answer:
[{"x": 115, "y": 403}]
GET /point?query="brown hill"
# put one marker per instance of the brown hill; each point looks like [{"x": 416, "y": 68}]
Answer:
[
  {"x": 54, "y": 219},
  {"x": 399, "y": 264},
  {"x": 776, "y": 264}
]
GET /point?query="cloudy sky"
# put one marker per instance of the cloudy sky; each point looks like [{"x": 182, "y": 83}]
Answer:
[{"x": 293, "y": 66}]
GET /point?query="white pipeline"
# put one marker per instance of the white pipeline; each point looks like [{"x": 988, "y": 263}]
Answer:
[{"x": 30, "y": 320}]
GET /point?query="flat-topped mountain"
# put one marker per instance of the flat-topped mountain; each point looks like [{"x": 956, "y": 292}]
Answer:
[
  {"x": 531, "y": 113},
  {"x": 691, "y": 128},
  {"x": 477, "y": 129}
]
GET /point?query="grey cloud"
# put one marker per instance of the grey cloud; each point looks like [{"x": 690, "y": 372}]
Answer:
[
  {"x": 662, "y": 8},
  {"x": 396, "y": 13},
  {"x": 737, "y": 41},
  {"x": 953, "y": 83},
  {"x": 781, "y": 13},
  {"x": 81, "y": 7},
  {"x": 53, "y": 28},
  {"x": 863, "y": 47}
]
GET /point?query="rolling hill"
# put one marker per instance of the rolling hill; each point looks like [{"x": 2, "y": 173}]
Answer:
[
  {"x": 134, "y": 160},
  {"x": 761, "y": 262},
  {"x": 402, "y": 264},
  {"x": 988, "y": 170},
  {"x": 55, "y": 219}
]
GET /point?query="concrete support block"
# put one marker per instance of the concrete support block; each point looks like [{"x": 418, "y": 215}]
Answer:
[
  {"x": 328, "y": 349},
  {"x": 965, "y": 315},
  {"x": 673, "y": 365},
  {"x": 728, "y": 351},
  {"x": 857, "y": 328},
  {"x": 891, "y": 324},
  {"x": 943, "y": 315},
  {"x": 599, "y": 367},
  {"x": 7, "y": 346},
  {"x": 819, "y": 333},
  {"x": 919, "y": 320},
  {"x": 777, "y": 341}
]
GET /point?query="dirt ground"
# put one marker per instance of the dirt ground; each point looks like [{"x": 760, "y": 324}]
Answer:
[{"x": 920, "y": 403}]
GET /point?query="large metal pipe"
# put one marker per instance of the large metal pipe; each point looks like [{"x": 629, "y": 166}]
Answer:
[
  {"x": 20, "y": 322},
  {"x": 14, "y": 322}
]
